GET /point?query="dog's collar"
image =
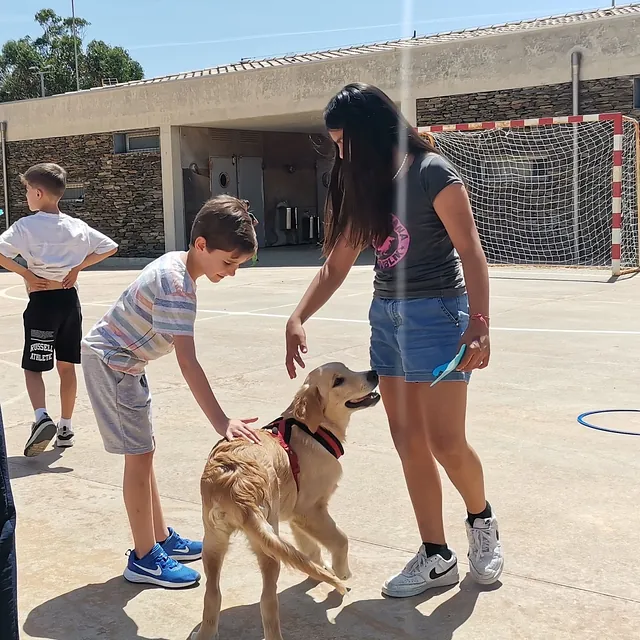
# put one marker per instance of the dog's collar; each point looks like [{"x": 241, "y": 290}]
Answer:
[{"x": 323, "y": 436}]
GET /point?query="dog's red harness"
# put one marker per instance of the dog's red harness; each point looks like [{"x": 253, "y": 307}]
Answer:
[{"x": 281, "y": 429}]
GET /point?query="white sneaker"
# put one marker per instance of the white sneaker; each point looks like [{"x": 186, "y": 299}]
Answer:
[
  {"x": 421, "y": 573},
  {"x": 64, "y": 437},
  {"x": 486, "y": 559}
]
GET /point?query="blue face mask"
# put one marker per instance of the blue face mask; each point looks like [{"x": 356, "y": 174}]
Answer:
[{"x": 445, "y": 369}]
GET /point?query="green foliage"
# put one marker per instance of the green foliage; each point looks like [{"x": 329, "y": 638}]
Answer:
[{"x": 53, "y": 52}]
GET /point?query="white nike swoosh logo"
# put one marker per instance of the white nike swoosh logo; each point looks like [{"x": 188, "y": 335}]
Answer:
[
  {"x": 154, "y": 572},
  {"x": 187, "y": 550}
]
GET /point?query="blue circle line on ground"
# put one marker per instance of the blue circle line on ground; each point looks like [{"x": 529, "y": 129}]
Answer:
[{"x": 582, "y": 421}]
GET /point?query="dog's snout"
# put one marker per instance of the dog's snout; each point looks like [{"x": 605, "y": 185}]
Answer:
[{"x": 372, "y": 377}]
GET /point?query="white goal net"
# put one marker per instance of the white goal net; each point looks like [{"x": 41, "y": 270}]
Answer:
[{"x": 551, "y": 191}]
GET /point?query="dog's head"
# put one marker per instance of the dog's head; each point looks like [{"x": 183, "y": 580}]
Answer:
[{"x": 332, "y": 392}]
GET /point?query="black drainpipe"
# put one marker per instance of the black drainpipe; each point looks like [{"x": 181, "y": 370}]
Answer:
[{"x": 5, "y": 179}]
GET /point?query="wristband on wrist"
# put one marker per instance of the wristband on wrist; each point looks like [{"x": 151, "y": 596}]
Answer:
[{"x": 481, "y": 317}]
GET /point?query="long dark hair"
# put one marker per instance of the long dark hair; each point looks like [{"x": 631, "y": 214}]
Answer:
[{"x": 361, "y": 191}]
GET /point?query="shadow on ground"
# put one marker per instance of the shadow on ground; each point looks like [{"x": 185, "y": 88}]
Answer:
[
  {"x": 385, "y": 619},
  {"x": 23, "y": 467},
  {"x": 89, "y": 612}
]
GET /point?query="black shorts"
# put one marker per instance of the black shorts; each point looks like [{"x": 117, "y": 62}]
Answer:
[{"x": 52, "y": 323}]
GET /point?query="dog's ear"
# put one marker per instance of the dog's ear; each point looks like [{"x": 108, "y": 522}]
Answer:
[{"x": 309, "y": 407}]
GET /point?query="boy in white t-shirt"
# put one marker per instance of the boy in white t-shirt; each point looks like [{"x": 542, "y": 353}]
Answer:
[{"x": 56, "y": 247}]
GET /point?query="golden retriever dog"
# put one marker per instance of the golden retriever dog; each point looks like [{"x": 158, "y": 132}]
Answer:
[{"x": 251, "y": 488}]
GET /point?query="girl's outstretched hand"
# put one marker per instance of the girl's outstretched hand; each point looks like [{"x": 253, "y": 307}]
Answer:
[{"x": 296, "y": 345}]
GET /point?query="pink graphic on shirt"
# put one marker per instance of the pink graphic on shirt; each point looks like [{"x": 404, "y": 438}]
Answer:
[{"x": 395, "y": 247}]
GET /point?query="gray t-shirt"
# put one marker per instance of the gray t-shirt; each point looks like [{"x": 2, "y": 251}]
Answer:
[{"x": 418, "y": 259}]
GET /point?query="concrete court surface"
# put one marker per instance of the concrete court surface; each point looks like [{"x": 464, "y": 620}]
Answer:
[{"x": 564, "y": 341}]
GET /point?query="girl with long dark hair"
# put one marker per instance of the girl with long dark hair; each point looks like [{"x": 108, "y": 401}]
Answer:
[{"x": 392, "y": 190}]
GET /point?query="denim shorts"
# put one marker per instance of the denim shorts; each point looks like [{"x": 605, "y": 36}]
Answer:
[{"x": 410, "y": 338}]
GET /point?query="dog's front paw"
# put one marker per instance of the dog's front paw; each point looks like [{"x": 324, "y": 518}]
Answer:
[{"x": 342, "y": 571}]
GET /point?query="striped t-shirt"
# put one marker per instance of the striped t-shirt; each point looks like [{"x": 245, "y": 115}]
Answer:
[{"x": 139, "y": 327}]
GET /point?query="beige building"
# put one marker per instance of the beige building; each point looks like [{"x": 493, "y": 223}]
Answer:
[{"x": 143, "y": 156}]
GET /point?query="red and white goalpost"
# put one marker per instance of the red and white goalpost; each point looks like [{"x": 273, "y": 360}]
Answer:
[{"x": 551, "y": 191}]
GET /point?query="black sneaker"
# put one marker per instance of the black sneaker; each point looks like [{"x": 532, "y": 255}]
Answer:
[{"x": 42, "y": 432}]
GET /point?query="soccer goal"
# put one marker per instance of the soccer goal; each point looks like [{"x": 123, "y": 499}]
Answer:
[{"x": 551, "y": 191}]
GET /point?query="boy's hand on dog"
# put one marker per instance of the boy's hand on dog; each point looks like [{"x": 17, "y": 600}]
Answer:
[
  {"x": 296, "y": 341},
  {"x": 240, "y": 429}
]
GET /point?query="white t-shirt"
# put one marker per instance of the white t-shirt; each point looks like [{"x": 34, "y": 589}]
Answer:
[{"x": 52, "y": 244}]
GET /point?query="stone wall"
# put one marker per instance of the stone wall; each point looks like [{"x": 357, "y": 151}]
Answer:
[
  {"x": 596, "y": 96},
  {"x": 123, "y": 191}
]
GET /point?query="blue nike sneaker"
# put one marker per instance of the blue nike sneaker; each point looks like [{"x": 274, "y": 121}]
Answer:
[
  {"x": 180, "y": 548},
  {"x": 159, "y": 569}
]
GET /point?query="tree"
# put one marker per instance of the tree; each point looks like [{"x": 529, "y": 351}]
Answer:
[{"x": 53, "y": 53}]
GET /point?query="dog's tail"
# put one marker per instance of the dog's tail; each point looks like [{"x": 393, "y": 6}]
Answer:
[
  {"x": 261, "y": 533},
  {"x": 245, "y": 485},
  {"x": 234, "y": 486}
]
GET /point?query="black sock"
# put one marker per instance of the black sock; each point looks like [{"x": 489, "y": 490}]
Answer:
[
  {"x": 434, "y": 549},
  {"x": 471, "y": 517}
]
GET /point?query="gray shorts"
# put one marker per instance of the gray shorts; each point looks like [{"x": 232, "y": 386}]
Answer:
[{"x": 122, "y": 405}]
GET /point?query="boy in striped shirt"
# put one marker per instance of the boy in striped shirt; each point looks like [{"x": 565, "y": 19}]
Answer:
[{"x": 154, "y": 316}]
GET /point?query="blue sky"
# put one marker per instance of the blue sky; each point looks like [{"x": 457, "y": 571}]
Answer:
[{"x": 167, "y": 36}]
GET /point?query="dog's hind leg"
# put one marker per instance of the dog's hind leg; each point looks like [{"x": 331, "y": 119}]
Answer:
[{"x": 215, "y": 546}]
